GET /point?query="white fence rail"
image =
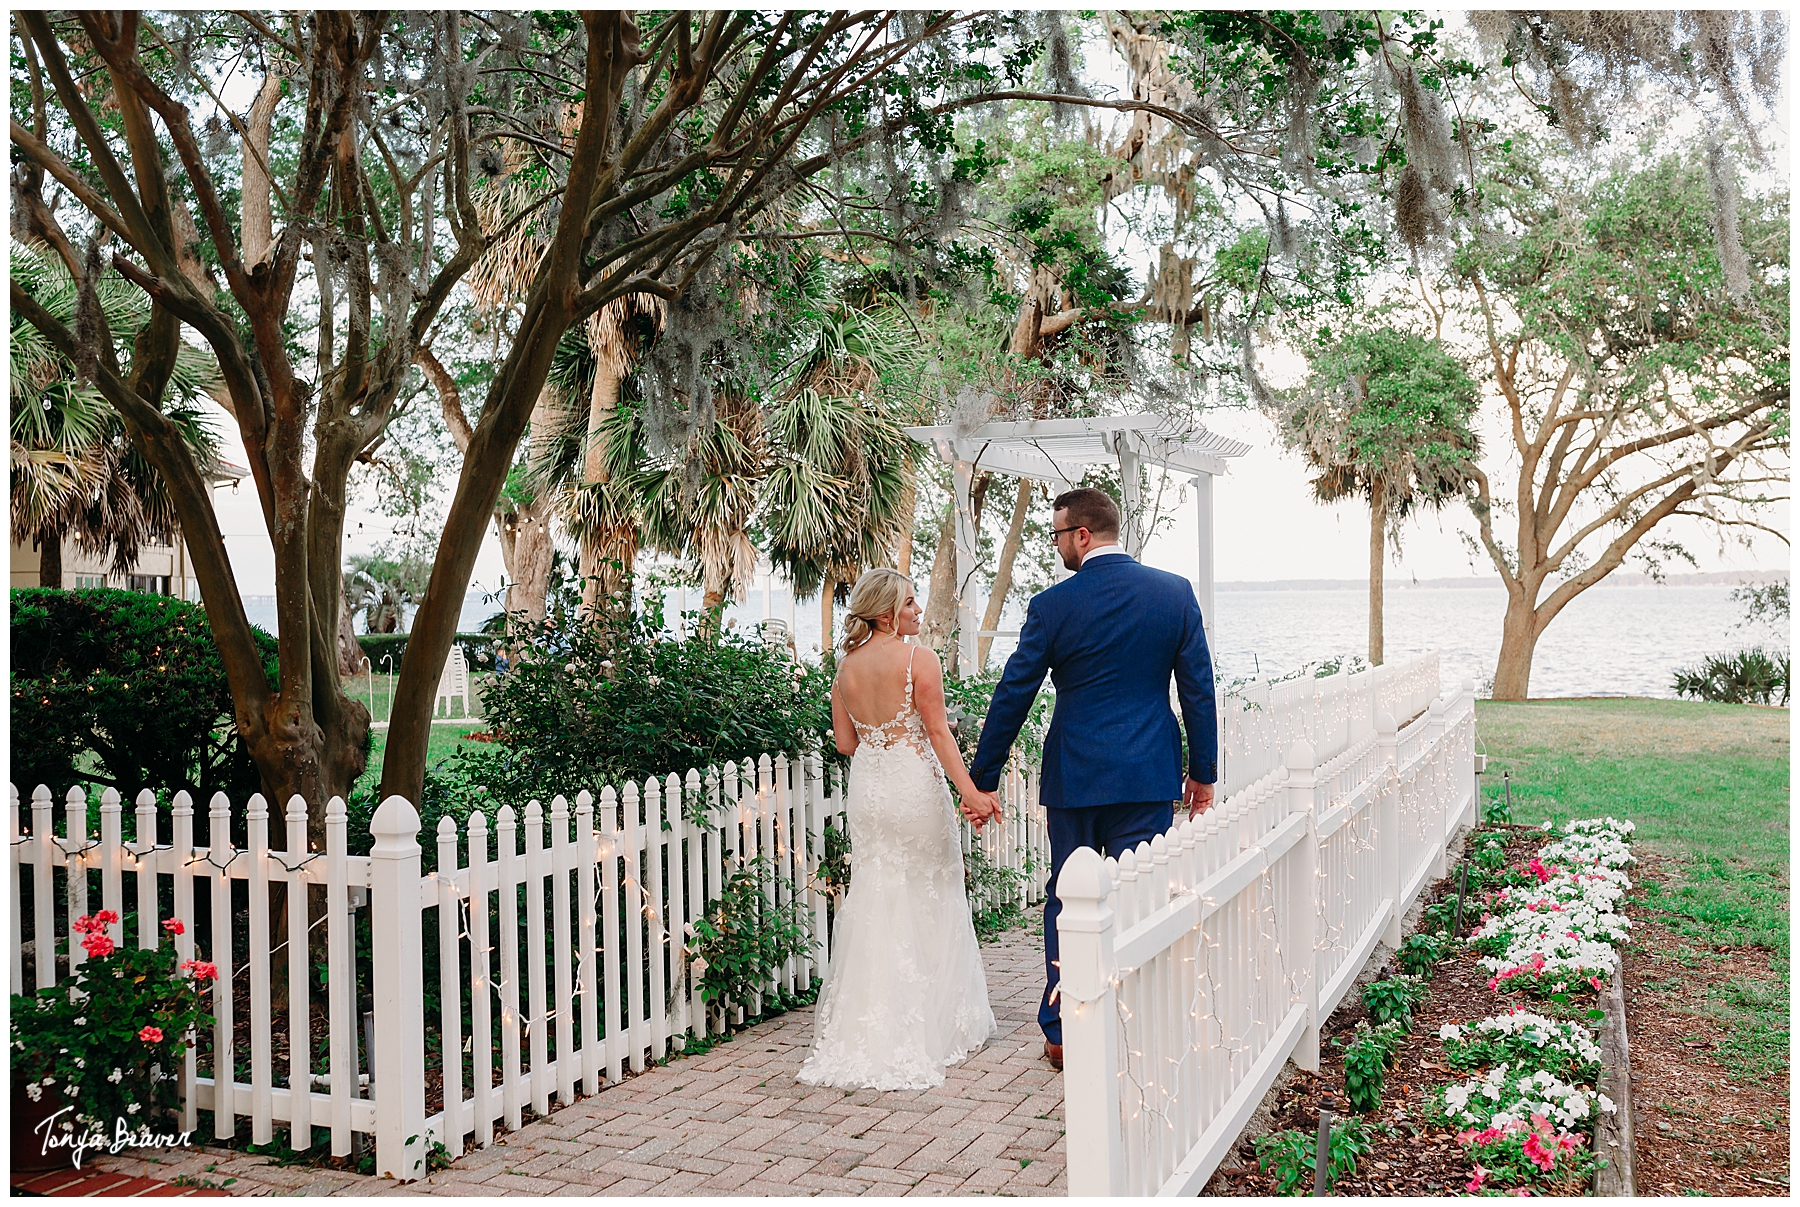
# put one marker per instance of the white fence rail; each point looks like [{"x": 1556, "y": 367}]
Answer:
[
  {"x": 560, "y": 936},
  {"x": 1261, "y": 723},
  {"x": 1194, "y": 967}
]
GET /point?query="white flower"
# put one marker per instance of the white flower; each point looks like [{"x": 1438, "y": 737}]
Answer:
[
  {"x": 1450, "y": 1031},
  {"x": 116, "y": 1076},
  {"x": 49, "y": 1081},
  {"x": 80, "y": 1062},
  {"x": 34, "y": 1091},
  {"x": 133, "y": 1109},
  {"x": 81, "y": 1021}
]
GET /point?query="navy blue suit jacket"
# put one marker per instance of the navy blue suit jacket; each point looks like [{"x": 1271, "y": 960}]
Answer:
[{"x": 1109, "y": 637}]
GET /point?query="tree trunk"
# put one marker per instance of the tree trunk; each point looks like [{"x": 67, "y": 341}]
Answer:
[
  {"x": 1377, "y": 565},
  {"x": 908, "y": 508},
  {"x": 1003, "y": 575},
  {"x": 1518, "y": 641},
  {"x": 49, "y": 545},
  {"x": 827, "y": 590},
  {"x": 532, "y": 554},
  {"x": 603, "y": 570},
  {"x": 940, "y": 603},
  {"x": 259, "y": 227},
  {"x": 351, "y": 659}
]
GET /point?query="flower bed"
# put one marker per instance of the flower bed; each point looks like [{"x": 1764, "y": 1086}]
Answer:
[
  {"x": 1527, "y": 1118},
  {"x": 1496, "y": 1090}
]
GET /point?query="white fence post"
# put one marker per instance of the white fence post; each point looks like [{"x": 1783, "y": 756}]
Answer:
[
  {"x": 398, "y": 1059},
  {"x": 1443, "y": 822},
  {"x": 1301, "y": 937},
  {"x": 1096, "y": 1147},
  {"x": 1388, "y": 841}
]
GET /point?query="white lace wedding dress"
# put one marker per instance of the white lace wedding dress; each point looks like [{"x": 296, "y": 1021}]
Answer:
[{"x": 905, "y": 995}]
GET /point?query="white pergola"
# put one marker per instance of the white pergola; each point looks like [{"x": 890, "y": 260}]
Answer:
[{"x": 1058, "y": 451}]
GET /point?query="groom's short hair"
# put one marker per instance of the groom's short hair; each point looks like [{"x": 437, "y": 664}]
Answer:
[{"x": 1091, "y": 509}]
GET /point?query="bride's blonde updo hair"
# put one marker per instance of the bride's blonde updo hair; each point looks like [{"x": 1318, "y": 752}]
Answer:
[{"x": 879, "y": 592}]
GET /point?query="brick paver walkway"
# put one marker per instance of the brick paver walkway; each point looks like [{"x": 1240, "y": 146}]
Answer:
[{"x": 734, "y": 1121}]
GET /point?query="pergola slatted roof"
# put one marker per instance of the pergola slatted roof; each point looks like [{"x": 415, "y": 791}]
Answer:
[{"x": 1056, "y": 450}]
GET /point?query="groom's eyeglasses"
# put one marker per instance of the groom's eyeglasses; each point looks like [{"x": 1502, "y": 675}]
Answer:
[{"x": 1056, "y": 532}]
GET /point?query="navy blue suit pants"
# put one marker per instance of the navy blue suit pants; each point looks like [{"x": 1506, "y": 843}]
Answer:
[{"x": 1110, "y": 830}]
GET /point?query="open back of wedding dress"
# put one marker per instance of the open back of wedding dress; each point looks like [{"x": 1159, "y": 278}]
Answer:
[{"x": 905, "y": 994}]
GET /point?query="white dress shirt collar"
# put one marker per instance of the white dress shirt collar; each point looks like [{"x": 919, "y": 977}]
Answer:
[{"x": 1104, "y": 551}]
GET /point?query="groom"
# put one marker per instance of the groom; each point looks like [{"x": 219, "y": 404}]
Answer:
[{"x": 1110, "y": 637}]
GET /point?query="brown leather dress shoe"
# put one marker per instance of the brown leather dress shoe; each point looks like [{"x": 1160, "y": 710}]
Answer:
[{"x": 1053, "y": 1054}]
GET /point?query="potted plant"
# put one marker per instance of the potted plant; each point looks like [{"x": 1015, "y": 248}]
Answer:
[{"x": 107, "y": 1043}]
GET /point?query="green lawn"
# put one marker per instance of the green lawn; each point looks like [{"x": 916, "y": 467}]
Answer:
[
  {"x": 444, "y": 739},
  {"x": 1707, "y": 785}
]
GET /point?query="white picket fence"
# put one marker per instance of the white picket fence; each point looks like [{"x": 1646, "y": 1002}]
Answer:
[
  {"x": 566, "y": 947},
  {"x": 1260, "y": 723},
  {"x": 1196, "y": 966}
]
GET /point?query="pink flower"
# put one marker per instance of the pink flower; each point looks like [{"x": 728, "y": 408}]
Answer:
[
  {"x": 1474, "y": 1186},
  {"x": 151, "y": 1035},
  {"x": 202, "y": 971},
  {"x": 174, "y": 926},
  {"x": 1595, "y": 982},
  {"x": 97, "y": 944},
  {"x": 1540, "y": 1156}
]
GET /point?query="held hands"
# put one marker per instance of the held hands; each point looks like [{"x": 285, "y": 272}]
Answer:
[
  {"x": 1198, "y": 798},
  {"x": 980, "y": 807}
]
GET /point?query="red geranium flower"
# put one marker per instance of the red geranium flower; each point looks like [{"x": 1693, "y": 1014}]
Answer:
[
  {"x": 174, "y": 926},
  {"x": 151, "y": 1035}
]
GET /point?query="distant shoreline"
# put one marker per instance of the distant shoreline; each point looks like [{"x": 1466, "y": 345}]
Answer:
[{"x": 1731, "y": 578}]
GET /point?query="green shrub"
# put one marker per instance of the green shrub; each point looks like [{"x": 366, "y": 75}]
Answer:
[
  {"x": 1752, "y": 676},
  {"x": 127, "y": 691},
  {"x": 744, "y": 939},
  {"x": 993, "y": 893},
  {"x": 1367, "y": 1058},
  {"x": 1292, "y": 1155},
  {"x": 1419, "y": 953},
  {"x": 1394, "y": 999},
  {"x": 600, "y": 704}
]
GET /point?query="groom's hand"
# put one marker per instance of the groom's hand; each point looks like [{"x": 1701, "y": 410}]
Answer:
[
  {"x": 980, "y": 806},
  {"x": 1198, "y": 798}
]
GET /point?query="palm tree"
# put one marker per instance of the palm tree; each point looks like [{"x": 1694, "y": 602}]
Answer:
[
  {"x": 842, "y": 473},
  {"x": 75, "y": 473},
  {"x": 577, "y": 402},
  {"x": 1386, "y": 415}
]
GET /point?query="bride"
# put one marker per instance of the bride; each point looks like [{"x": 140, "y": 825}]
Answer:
[{"x": 905, "y": 995}]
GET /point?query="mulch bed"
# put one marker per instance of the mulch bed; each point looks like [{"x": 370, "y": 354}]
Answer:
[{"x": 1699, "y": 1129}]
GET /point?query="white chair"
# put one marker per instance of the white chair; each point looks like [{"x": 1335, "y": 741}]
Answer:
[{"x": 453, "y": 684}]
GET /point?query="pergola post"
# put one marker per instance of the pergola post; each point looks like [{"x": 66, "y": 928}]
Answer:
[
  {"x": 1133, "y": 535},
  {"x": 1205, "y": 584},
  {"x": 1057, "y": 568},
  {"x": 967, "y": 540}
]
